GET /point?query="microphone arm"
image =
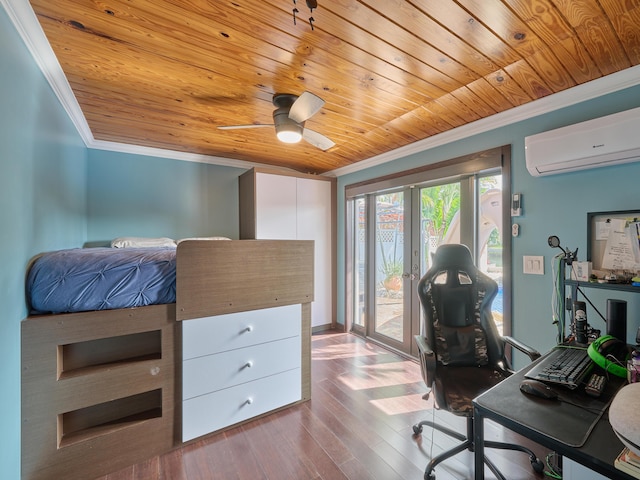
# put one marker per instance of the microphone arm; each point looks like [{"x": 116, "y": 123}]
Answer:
[{"x": 569, "y": 256}]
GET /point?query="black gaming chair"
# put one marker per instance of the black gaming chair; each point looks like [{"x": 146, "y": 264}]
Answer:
[{"x": 461, "y": 353}]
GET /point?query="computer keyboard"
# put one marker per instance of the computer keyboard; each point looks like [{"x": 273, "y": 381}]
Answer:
[{"x": 566, "y": 366}]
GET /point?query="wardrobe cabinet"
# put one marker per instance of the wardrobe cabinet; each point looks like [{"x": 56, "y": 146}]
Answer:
[{"x": 290, "y": 206}]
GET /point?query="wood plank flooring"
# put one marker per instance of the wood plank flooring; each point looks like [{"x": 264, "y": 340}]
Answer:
[{"x": 357, "y": 426}]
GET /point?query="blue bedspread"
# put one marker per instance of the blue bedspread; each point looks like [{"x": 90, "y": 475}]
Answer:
[{"x": 85, "y": 279}]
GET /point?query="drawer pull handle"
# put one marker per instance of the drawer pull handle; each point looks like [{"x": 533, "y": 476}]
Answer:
[
  {"x": 248, "y": 401},
  {"x": 248, "y": 329},
  {"x": 249, "y": 364}
]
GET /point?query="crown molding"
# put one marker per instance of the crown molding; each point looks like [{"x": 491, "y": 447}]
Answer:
[
  {"x": 26, "y": 23},
  {"x": 172, "y": 154}
]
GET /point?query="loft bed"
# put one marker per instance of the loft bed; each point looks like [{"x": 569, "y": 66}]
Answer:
[{"x": 102, "y": 389}]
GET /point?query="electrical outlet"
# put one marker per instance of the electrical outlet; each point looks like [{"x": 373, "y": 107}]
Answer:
[{"x": 533, "y": 264}]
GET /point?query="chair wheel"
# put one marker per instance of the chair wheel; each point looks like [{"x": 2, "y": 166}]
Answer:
[
  {"x": 417, "y": 429},
  {"x": 537, "y": 465}
]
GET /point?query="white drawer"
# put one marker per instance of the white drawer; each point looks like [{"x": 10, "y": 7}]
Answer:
[
  {"x": 204, "y": 336},
  {"x": 208, "y": 413},
  {"x": 214, "y": 372}
]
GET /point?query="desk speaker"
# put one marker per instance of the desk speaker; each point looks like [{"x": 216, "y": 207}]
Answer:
[{"x": 617, "y": 319}]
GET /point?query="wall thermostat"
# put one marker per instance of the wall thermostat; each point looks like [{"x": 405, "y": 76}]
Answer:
[{"x": 516, "y": 205}]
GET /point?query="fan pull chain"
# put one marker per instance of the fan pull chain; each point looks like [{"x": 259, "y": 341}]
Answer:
[{"x": 312, "y": 4}]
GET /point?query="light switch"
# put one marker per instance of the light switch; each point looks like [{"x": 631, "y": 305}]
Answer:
[{"x": 533, "y": 264}]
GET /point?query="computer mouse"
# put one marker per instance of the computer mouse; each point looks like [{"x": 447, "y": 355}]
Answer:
[{"x": 538, "y": 389}]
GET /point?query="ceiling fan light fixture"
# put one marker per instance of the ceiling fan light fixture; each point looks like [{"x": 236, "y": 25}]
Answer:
[
  {"x": 289, "y": 117},
  {"x": 287, "y": 130},
  {"x": 289, "y": 136}
]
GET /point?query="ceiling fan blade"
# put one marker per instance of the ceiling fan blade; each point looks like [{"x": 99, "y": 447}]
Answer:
[
  {"x": 305, "y": 106},
  {"x": 251, "y": 125},
  {"x": 317, "y": 139}
]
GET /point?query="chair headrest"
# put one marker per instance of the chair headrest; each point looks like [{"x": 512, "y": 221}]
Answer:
[{"x": 453, "y": 255}]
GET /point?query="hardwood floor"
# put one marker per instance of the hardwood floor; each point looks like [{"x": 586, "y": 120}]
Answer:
[{"x": 358, "y": 425}]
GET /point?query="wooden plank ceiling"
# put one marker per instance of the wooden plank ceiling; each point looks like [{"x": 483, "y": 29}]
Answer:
[{"x": 166, "y": 73}]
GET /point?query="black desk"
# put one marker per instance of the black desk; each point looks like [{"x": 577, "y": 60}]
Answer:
[{"x": 541, "y": 421}]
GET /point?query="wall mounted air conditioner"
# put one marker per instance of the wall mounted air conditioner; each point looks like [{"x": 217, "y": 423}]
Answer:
[{"x": 600, "y": 142}]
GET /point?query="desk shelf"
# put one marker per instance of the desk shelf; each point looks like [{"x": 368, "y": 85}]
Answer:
[
  {"x": 574, "y": 285},
  {"x": 620, "y": 287}
]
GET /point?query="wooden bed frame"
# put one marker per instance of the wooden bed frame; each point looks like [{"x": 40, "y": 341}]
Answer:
[{"x": 101, "y": 390}]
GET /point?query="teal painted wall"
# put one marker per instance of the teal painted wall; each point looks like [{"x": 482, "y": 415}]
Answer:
[
  {"x": 554, "y": 205},
  {"x": 43, "y": 207},
  {"x": 132, "y": 195}
]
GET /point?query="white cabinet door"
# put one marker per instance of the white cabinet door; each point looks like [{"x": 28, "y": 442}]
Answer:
[
  {"x": 314, "y": 223},
  {"x": 296, "y": 208},
  {"x": 276, "y": 207}
]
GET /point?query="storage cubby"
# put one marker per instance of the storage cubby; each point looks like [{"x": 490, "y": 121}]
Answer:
[
  {"x": 108, "y": 417},
  {"x": 81, "y": 357}
]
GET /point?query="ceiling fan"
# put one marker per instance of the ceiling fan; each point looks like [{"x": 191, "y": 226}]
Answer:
[{"x": 288, "y": 119}]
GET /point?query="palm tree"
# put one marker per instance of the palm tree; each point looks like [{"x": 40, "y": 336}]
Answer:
[{"x": 439, "y": 204}]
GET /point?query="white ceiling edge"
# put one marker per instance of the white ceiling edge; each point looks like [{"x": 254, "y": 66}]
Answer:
[
  {"x": 172, "y": 154},
  {"x": 24, "y": 19},
  {"x": 27, "y": 25}
]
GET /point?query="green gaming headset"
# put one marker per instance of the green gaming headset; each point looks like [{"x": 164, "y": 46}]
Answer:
[{"x": 604, "y": 346}]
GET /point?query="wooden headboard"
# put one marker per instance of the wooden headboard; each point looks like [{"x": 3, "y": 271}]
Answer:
[{"x": 218, "y": 277}]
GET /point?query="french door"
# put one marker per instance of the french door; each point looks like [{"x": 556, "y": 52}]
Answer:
[
  {"x": 394, "y": 232},
  {"x": 392, "y": 266}
]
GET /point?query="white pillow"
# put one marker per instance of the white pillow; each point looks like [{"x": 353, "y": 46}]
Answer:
[{"x": 142, "y": 242}]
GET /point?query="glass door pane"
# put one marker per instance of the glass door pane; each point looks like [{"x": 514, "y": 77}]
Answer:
[
  {"x": 359, "y": 262},
  {"x": 490, "y": 239},
  {"x": 440, "y": 223},
  {"x": 389, "y": 265},
  {"x": 439, "y": 220}
]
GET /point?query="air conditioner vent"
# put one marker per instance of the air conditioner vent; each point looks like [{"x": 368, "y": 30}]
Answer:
[{"x": 600, "y": 142}]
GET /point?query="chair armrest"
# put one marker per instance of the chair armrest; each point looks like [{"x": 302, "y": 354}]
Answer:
[
  {"x": 427, "y": 359},
  {"x": 532, "y": 353},
  {"x": 423, "y": 348}
]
